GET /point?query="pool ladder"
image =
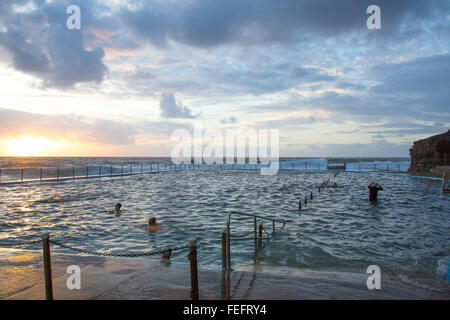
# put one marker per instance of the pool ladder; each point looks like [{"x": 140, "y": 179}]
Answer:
[{"x": 257, "y": 235}]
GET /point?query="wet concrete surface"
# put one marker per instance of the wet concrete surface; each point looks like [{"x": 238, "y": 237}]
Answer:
[{"x": 145, "y": 279}]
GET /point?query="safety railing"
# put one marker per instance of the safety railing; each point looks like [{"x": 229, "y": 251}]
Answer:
[
  {"x": 319, "y": 189},
  {"x": 61, "y": 173},
  {"x": 257, "y": 235},
  {"x": 46, "y": 241}
]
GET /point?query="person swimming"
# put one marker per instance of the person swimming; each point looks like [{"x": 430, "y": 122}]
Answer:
[
  {"x": 165, "y": 256},
  {"x": 116, "y": 210},
  {"x": 373, "y": 189},
  {"x": 153, "y": 225}
]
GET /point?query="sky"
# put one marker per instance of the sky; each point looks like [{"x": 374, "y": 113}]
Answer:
[{"x": 138, "y": 70}]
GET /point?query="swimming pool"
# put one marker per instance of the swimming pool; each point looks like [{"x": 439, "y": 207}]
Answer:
[{"x": 406, "y": 233}]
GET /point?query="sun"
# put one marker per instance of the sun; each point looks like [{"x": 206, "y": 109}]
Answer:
[{"x": 30, "y": 146}]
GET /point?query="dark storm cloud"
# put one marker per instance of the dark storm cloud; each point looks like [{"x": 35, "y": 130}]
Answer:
[
  {"x": 39, "y": 43},
  {"x": 424, "y": 82},
  {"x": 171, "y": 109},
  {"x": 206, "y": 23}
]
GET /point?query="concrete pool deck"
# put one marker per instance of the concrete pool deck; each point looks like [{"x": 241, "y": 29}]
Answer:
[{"x": 146, "y": 279}]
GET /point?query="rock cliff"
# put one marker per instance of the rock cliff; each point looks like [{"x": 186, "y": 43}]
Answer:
[{"x": 426, "y": 154}]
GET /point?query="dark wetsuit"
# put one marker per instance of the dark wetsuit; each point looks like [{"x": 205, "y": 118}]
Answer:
[{"x": 374, "y": 191}]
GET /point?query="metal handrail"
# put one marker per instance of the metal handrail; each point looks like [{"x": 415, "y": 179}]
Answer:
[
  {"x": 255, "y": 215},
  {"x": 227, "y": 237}
]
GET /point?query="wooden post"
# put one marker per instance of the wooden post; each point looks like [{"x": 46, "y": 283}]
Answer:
[
  {"x": 224, "y": 249},
  {"x": 21, "y": 175},
  {"x": 300, "y": 205},
  {"x": 40, "y": 174},
  {"x": 306, "y": 200},
  {"x": 73, "y": 172},
  {"x": 194, "y": 273},
  {"x": 110, "y": 171},
  {"x": 121, "y": 169},
  {"x": 57, "y": 173},
  {"x": 99, "y": 170},
  {"x": 141, "y": 167},
  {"x": 260, "y": 235},
  {"x": 256, "y": 237},
  {"x": 310, "y": 195},
  {"x": 47, "y": 268},
  {"x": 273, "y": 227},
  {"x": 228, "y": 247},
  {"x": 165, "y": 166},
  {"x": 131, "y": 168},
  {"x": 87, "y": 171}
]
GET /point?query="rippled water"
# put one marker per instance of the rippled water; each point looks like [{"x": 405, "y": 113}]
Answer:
[{"x": 406, "y": 233}]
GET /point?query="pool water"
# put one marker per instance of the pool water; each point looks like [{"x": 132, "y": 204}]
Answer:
[{"x": 406, "y": 233}]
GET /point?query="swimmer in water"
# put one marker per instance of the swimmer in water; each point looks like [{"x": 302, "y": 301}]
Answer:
[
  {"x": 165, "y": 256},
  {"x": 116, "y": 209},
  {"x": 152, "y": 225},
  {"x": 334, "y": 185},
  {"x": 373, "y": 189}
]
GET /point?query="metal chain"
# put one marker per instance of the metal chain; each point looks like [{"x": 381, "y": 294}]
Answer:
[
  {"x": 19, "y": 243},
  {"x": 96, "y": 253}
]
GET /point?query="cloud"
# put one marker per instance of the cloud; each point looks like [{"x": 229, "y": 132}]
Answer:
[
  {"x": 399, "y": 129},
  {"x": 378, "y": 148},
  {"x": 422, "y": 83},
  {"x": 39, "y": 43},
  {"x": 229, "y": 120},
  {"x": 205, "y": 23},
  {"x": 171, "y": 109}
]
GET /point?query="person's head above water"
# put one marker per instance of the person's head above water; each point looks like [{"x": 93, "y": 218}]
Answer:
[
  {"x": 166, "y": 254},
  {"x": 152, "y": 221},
  {"x": 152, "y": 225},
  {"x": 117, "y": 207}
]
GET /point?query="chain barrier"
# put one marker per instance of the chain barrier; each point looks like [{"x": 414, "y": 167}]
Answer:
[
  {"x": 96, "y": 253},
  {"x": 19, "y": 243}
]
